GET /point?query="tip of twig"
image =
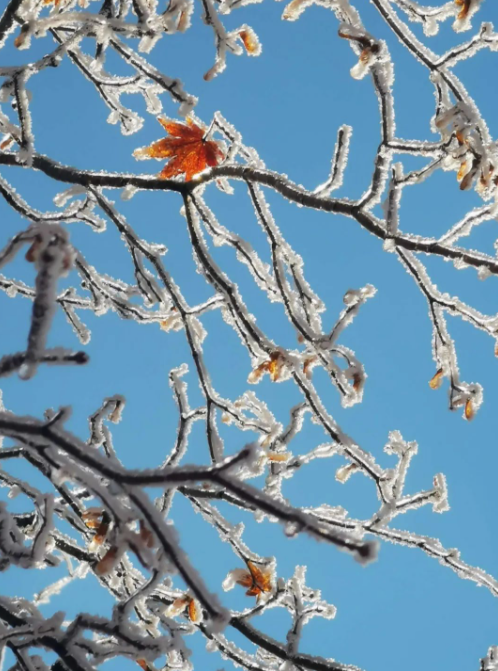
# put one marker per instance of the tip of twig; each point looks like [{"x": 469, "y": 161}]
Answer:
[{"x": 367, "y": 553}]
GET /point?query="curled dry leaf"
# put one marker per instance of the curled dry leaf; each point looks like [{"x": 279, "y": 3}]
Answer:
[
  {"x": 465, "y": 5},
  {"x": 108, "y": 562},
  {"x": 102, "y": 529},
  {"x": 469, "y": 410},
  {"x": 470, "y": 399},
  {"x": 257, "y": 581},
  {"x": 370, "y": 49},
  {"x": 468, "y": 174},
  {"x": 436, "y": 381},
  {"x": 147, "y": 536},
  {"x": 22, "y": 38},
  {"x": 193, "y": 610},
  {"x": 98, "y": 519},
  {"x": 278, "y": 457},
  {"x": 294, "y": 9},
  {"x": 462, "y": 171},
  {"x": 250, "y": 41},
  {"x": 188, "y": 605},
  {"x": 307, "y": 365},
  {"x": 92, "y": 517},
  {"x": 467, "y": 9},
  {"x": 7, "y": 142},
  {"x": 183, "y": 21},
  {"x": 187, "y": 150},
  {"x": 358, "y": 380},
  {"x": 273, "y": 367}
]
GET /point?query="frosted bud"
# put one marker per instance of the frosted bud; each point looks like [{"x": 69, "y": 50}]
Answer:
[
  {"x": 291, "y": 529},
  {"x": 351, "y": 296},
  {"x": 344, "y": 472},
  {"x": 440, "y": 501},
  {"x": 483, "y": 273},
  {"x": 128, "y": 192},
  {"x": 187, "y": 106},
  {"x": 15, "y": 490},
  {"x": 294, "y": 9},
  {"x": 431, "y": 26}
]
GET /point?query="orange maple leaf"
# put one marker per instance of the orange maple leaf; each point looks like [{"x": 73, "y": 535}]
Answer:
[{"x": 187, "y": 149}]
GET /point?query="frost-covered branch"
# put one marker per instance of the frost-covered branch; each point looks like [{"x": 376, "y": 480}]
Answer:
[{"x": 92, "y": 511}]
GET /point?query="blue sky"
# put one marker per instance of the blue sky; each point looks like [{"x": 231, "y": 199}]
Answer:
[{"x": 405, "y": 609}]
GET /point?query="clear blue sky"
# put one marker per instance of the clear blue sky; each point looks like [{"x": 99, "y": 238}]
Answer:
[{"x": 405, "y": 610}]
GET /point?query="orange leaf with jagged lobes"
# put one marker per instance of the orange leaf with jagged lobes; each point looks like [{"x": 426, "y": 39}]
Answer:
[
  {"x": 187, "y": 150},
  {"x": 436, "y": 381}
]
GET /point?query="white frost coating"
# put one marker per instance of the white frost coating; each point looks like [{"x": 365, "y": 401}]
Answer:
[
  {"x": 63, "y": 197},
  {"x": 339, "y": 162},
  {"x": 47, "y": 593},
  {"x": 465, "y": 147},
  {"x": 53, "y": 257},
  {"x": 464, "y": 16},
  {"x": 232, "y": 578},
  {"x": 440, "y": 504},
  {"x": 490, "y": 662}
]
